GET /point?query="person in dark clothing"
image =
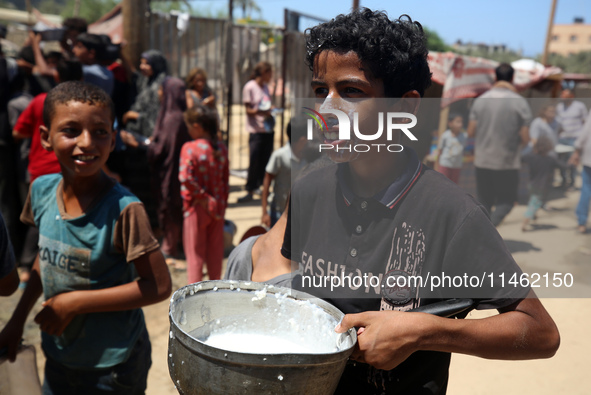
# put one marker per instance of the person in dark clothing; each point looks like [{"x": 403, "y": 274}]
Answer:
[
  {"x": 376, "y": 217},
  {"x": 163, "y": 156},
  {"x": 541, "y": 174},
  {"x": 138, "y": 126}
]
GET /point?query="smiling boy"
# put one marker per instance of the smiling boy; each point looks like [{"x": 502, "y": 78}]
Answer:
[
  {"x": 383, "y": 215},
  {"x": 98, "y": 261}
]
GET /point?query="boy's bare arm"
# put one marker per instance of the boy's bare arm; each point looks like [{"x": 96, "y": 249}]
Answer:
[
  {"x": 153, "y": 285},
  {"x": 266, "y": 219},
  {"x": 524, "y": 135},
  {"x": 9, "y": 283},
  {"x": 13, "y": 331},
  {"x": 387, "y": 338},
  {"x": 471, "y": 131}
]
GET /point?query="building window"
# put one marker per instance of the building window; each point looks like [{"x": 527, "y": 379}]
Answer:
[
  {"x": 556, "y": 38},
  {"x": 573, "y": 38}
]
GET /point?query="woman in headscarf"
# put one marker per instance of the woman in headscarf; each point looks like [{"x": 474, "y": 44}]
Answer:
[
  {"x": 141, "y": 118},
  {"x": 138, "y": 127},
  {"x": 164, "y": 152}
]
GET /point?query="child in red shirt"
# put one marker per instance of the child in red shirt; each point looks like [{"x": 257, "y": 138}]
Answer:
[{"x": 204, "y": 177}]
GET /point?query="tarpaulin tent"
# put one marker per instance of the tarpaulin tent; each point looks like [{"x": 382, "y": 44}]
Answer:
[{"x": 465, "y": 77}]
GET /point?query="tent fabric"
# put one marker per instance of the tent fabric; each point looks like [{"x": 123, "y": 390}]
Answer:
[
  {"x": 110, "y": 24},
  {"x": 466, "y": 76}
]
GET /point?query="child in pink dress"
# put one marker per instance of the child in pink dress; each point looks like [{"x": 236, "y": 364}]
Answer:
[{"x": 204, "y": 174}]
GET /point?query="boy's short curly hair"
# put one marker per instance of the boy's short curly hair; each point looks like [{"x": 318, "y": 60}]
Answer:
[
  {"x": 395, "y": 51},
  {"x": 76, "y": 91}
]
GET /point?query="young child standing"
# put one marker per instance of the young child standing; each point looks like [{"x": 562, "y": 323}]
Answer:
[
  {"x": 204, "y": 175},
  {"x": 451, "y": 148},
  {"x": 283, "y": 166},
  {"x": 98, "y": 261},
  {"x": 541, "y": 173}
]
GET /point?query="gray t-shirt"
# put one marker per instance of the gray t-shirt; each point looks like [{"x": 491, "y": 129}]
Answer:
[
  {"x": 16, "y": 106},
  {"x": 500, "y": 114},
  {"x": 285, "y": 166},
  {"x": 451, "y": 149},
  {"x": 541, "y": 128},
  {"x": 239, "y": 266}
]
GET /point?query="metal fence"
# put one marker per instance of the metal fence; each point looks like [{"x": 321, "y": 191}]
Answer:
[{"x": 228, "y": 61}]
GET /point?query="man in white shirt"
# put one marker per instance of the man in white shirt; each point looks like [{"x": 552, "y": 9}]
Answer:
[{"x": 571, "y": 114}]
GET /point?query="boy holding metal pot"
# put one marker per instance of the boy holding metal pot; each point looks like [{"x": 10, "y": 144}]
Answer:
[{"x": 373, "y": 232}]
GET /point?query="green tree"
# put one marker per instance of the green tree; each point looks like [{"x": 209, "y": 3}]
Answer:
[
  {"x": 91, "y": 10},
  {"x": 248, "y": 6},
  {"x": 575, "y": 63},
  {"x": 434, "y": 41},
  {"x": 53, "y": 7},
  {"x": 167, "y": 6},
  {"x": 7, "y": 4},
  {"x": 193, "y": 10},
  {"x": 502, "y": 57}
]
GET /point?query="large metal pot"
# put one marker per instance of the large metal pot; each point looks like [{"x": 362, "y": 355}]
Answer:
[{"x": 197, "y": 368}]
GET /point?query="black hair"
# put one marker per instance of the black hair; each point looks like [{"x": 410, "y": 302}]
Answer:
[
  {"x": 259, "y": 69},
  {"x": 395, "y": 51},
  {"x": 76, "y": 91},
  {"x": 27, "y": 54},
  {"x": 110, "y": 52},
  {"x": 78, "y": 24},
  {"x": 207, "y": 118},
  {"x": 454, "y": 115},
  {"x": 543, "y": 145},
  {"x": 91, "y": 41},
  {"x": 55, "y": 55},
  {"x": 69, "y": 70},
  {"x": 504, "y": 72},
  {"x": 288, "y": 131}
]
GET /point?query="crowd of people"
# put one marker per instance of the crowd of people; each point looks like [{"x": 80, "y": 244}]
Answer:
[
  {"x": 506, "y": 138},
  {"x": 129, "y": 164},
  {"x": 106, "y": 152}
]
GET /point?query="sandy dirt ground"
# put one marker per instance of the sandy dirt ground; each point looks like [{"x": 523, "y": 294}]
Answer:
[{"x": 553, "y": 246}]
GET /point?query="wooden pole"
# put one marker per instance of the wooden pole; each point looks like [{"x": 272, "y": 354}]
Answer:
[
  {"x": 134, "y": 28},
  {"x": 77, "y": 8},
  {"x": 355, "y": 5},
  {"x": 29, "y": 8},
  {"x": 549, "y": 33},
  {"x": 229, "y": 70},
  {"x": 284, "y": 69}
]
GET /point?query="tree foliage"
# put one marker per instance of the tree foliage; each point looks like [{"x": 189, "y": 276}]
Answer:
[
  {"x": 501, "y": 57},
  {"x": 435, "y": 42},
  {"x": 191, "y": 9},
  {"x": 91, "y": 10},
  {"x": 574, "y": 63}
]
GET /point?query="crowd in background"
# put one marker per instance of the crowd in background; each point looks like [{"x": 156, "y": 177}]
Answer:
[
  {"x": 507, "y": 138},
  {"x": 150, "y": 107}
]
